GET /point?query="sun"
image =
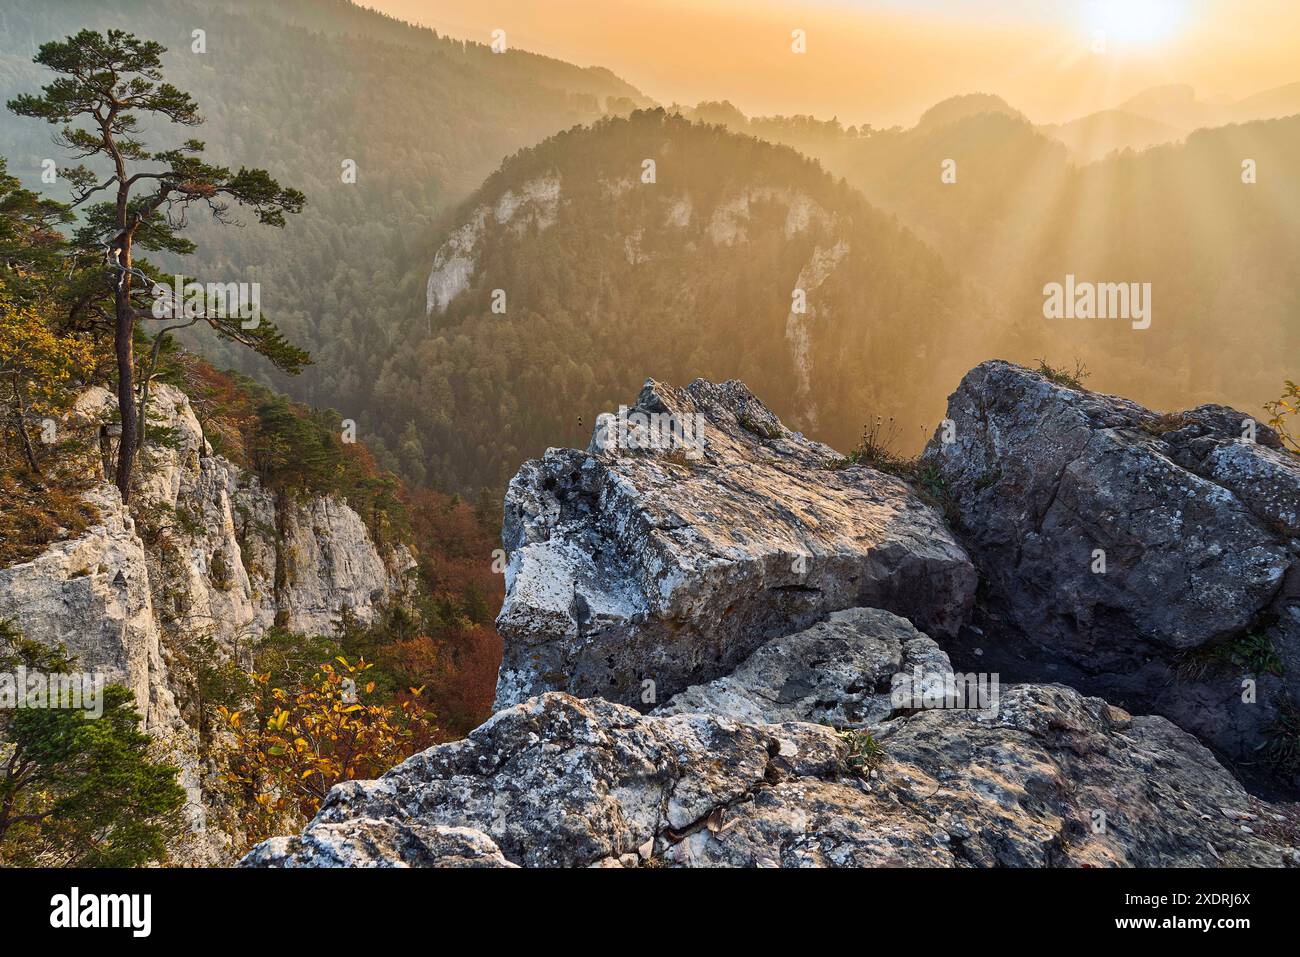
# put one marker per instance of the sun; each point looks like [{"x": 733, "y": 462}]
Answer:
[{"x": 1137, "y": 22}]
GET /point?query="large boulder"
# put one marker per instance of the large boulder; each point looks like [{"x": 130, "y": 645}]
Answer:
[
  {"x": 848, "y": 671},
  {"x": 1050, "y": 778},
  {"x": 1149, "y": 558},
  {"x": 658, "y": 559}
]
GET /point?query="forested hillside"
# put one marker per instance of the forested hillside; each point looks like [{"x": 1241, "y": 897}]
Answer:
[
  {"x": 568, "y": 279},
  {"x": 311, "y": 85},
  {"x": 299, "y": 87},
  {"x": 1217, "y": 251}
]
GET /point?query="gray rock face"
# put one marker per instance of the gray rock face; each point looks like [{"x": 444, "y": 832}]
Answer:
[
  {"x": 117, "y": 605},
  {"x": 330, "y": 560},
  {"x": 636, "y": 562},
  {"x": 221, "y": 552},
  {"x": 380, "y": 844},
  {"x": 1197, "y": 528},
  {"x": 558, "y": 781},
  {"x": 91, "y": 594},
  {"x": 843, "y": 671}
]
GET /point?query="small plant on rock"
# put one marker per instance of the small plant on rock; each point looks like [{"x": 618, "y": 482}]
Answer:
[
  {"x": 1071, "y": 380},
  {"x": 751, "y": 424},
  {"x": 1252, "y": 652},
  {"x": 864, "y": 752}
]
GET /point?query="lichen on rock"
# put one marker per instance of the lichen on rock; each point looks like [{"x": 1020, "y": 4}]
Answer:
[{"x": 630, "y": 565}]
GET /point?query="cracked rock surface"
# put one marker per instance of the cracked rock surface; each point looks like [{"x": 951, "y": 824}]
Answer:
[
  {"x": 842, "y": 671},
  {"x": 558, "y": 781},
  {"x": 630, "y": 564},
  {"x": 780, "y": 741}
]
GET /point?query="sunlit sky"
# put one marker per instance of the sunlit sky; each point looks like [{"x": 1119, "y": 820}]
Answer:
[{"x": 885, "y": 61}]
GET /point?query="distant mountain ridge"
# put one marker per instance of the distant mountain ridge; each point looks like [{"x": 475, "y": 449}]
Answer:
[
  {"x": 1091, "y": 137},
  {"x": 957, "y": 108},
  {"x": 351, "y": 278},
  {"x": 1165, "y": 114},
  {"x": 1021, "y": 212},
  {"x": 568, "y": 277}
]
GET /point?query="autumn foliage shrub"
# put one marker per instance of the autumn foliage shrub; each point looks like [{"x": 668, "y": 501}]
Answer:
[
  {"x": 41, "y": 474},
  {"x": 458, "y": 669},
  {"x": 460, "y": 651},
  {"x": 284, "y": 752}
]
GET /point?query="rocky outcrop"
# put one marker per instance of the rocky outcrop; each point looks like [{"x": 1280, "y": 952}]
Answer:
[
  {"x": 742, "y": 574},
  {"x": 534, "y": 206},
  {"x": 658, "y": 559},
  {"x": 1150, "y": 558},
  {"x": 238, "y": 558},
  {"x": 212, "y": 555},
  {"x": 228, "y": 557},
  {"x": 328, "y": 560},
  {"x": 92, "y": 595},
  {"x": 1053, "y": 779}
]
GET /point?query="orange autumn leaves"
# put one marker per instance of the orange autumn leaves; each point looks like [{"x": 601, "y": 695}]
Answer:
[{"x": 282, "y": 754}]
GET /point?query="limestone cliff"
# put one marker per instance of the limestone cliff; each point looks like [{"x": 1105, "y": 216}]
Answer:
[{"x": 205, "y": 551}]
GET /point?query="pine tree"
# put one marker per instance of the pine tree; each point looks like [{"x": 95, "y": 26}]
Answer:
[
  {"x": 109, "y": 82},
  {"x": 77, "y": 790}
]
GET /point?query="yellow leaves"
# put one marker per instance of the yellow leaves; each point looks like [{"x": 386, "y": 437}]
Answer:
[
  {"x": 308, "y": 738},
  {"x": 47, "y": 362},
  {"x": 1281, "y": 409},
  {"x": 360, "y": 666}
]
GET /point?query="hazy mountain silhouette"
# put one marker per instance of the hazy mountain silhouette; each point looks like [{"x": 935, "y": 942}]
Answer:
[
  {"x": 1165, "y": 114},
  {"x": 1091, "y": 137},
  {"x": 741, "y": 259},
  {"x": 692, "y": 275},
  {"x": 957, "y": 108},
  {"x": 1022, "y": 213}
]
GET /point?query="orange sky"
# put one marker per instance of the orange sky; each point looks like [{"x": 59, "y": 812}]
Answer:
[{"x": 885, "y": 61}]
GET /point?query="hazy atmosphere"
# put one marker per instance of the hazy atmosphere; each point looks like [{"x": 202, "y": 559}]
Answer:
[
  {"x": 649, "y": 435},
  {"x": 885, "y": 61}
]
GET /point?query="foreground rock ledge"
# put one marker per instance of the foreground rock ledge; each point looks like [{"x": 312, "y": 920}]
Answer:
[
  {"x": 558, "y": 781},
  {"x": 634, "y": 565}
]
